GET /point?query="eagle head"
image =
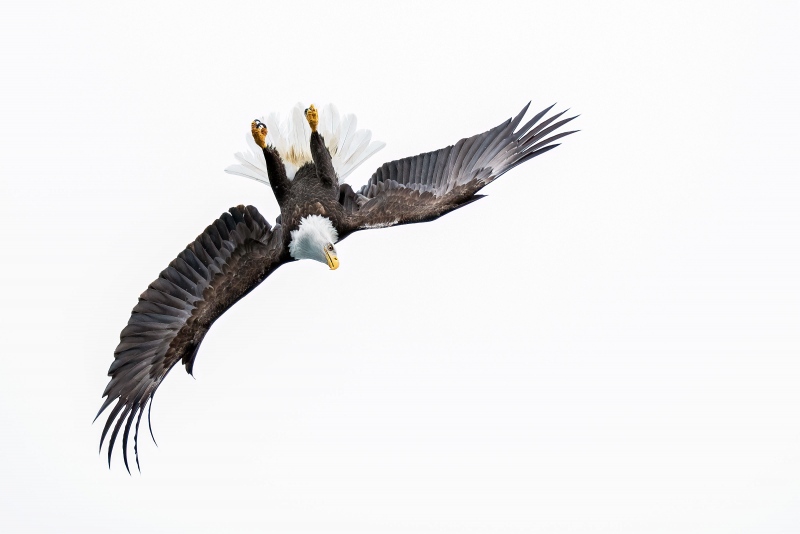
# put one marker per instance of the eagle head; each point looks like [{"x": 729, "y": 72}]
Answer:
[{"x": 314, "y": 240}]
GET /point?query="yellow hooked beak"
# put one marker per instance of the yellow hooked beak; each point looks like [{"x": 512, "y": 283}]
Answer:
[{"x": 333, "y": 261}]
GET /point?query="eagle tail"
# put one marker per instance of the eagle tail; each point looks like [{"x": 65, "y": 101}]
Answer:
[{"x": 349, "y": 146}]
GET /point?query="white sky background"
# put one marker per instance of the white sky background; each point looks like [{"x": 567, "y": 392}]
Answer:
[{"x": 608, "y": 343}]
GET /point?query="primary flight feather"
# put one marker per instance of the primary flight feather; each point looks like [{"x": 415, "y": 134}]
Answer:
[{"x": 304, "y": 160}]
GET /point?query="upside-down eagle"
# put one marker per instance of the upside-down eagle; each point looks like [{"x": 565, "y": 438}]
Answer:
[{"x": 305, "y": 160}]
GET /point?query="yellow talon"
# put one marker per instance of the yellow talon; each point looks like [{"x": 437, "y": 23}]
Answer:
[
  {"x": 259, "y": 132},
  {"x": 312, "y": 117}
]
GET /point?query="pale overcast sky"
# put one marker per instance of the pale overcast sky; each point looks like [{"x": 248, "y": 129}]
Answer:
[{"x": 608, "y": 343}]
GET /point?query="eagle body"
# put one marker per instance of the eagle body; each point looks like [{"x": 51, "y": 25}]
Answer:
[
  {"x": 308, "y": 195},
  {"x": 305, "y": 160}
]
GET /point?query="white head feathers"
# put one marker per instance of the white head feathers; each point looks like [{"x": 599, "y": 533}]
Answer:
[
  {"x": 311, "y": 238},
  {"x": 349, "y": 147}
]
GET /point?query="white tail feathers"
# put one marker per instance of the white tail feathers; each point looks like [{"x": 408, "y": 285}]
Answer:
[{"x": 349, "y": 146}]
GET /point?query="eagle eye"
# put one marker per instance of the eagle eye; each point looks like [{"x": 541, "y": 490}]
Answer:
[{"x": 330, "y": 247}]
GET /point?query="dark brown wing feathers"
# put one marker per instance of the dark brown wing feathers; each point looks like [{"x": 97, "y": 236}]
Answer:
[
  {"x": 424, "y": 187},
  {"x": 232, "y": 256}
]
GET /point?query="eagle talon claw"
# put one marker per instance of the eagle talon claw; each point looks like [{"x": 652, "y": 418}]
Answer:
[
  {"x": 312, "y": 117},
  {"x": 259, "y": 131}
]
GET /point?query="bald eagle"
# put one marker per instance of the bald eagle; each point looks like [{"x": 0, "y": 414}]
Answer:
[{"x": 305, "y": 160}]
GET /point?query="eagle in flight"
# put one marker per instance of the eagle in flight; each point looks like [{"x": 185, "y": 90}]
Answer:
[{"x": 305, "y": 160}]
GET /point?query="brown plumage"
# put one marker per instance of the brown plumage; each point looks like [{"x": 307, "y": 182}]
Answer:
[{"x": 240, "y": 249}]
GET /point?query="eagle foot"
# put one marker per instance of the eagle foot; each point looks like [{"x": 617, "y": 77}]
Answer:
[
  {"x": 259, "y": 131},
  {"x": 312, "y": 117}
]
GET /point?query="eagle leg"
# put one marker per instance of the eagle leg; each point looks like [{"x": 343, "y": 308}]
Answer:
[
  {"x": 276, "y": 171},
  {"x": 320, "y": 153}
]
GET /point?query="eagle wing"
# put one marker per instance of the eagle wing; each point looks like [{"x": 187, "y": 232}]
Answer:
[
  {"x": 230, "y": 258},
  {"x": 424, "y": 187}
]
